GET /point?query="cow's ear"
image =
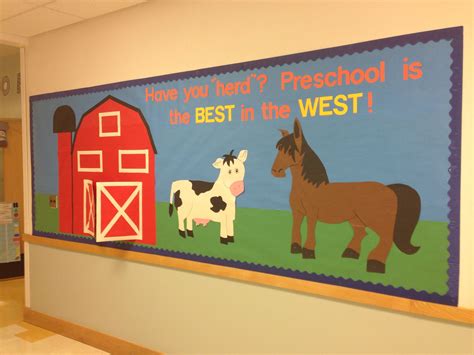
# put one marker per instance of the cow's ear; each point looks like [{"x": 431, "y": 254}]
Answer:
[
  {"x": 243, "y": 155},
  {"x": 218, "y": 163}
]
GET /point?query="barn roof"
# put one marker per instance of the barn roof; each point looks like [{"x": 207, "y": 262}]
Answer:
[{"x": 123, "y": 103}]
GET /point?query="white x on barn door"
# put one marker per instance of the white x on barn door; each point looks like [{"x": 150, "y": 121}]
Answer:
[
  {"x": 119, "y": 211},
  {"x": 88, "y": 215}
]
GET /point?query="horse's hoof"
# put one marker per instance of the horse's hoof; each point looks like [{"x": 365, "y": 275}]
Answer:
[
  {"x": 224, "y": 240},
  {"x": 230, "y": 239},
  {"x": 308, "y": 254},
  {"x": 350, "y": 253},
  {"x": 295, "y": 248},
  {"x": 375, "y": 266},
  {"x": 190, "y": 233},
  {"x": 182, "y": 233}
]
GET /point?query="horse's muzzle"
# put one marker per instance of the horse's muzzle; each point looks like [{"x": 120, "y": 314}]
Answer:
[{"x": 278, "y": 173}]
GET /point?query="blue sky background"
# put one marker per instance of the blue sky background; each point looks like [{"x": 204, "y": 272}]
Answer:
[{"x": 404, "y": 140}]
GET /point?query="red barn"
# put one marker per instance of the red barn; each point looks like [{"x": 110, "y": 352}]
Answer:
[{"x": 107, "y": 173}]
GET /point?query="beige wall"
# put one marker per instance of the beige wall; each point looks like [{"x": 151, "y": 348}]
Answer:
[
  {"x": 182, "y": 312},
  {"x": 164, "y": 37}
]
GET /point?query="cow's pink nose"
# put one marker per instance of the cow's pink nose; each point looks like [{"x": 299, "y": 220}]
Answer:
[{"x": 237, "y": 188}]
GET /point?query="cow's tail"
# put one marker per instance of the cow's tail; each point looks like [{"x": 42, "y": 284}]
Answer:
[
  {"x": 172, "y": 191},
  {"x": 408, "y": 213}
]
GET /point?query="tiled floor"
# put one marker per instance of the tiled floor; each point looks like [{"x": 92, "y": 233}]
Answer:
[{"x": 18, "y": 337}]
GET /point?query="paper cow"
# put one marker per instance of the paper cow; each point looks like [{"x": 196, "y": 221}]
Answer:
[
  {"x": 106, "y": 173},
  {"x": 202, "y": 201}
]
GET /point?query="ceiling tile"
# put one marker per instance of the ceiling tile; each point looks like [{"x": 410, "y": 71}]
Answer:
[
  {"x": 36, "y": 21},
  {"x": 9, "y": 8},
  {"x": 91, "y": 8}
]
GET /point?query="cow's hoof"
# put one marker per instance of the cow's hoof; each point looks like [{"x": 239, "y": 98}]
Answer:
[
  {"x": 190, "y": 233},
  {"x": 375, "y": 266},
  {"x": 224, "y": 240},
  {"x": 230, "y": 239},
  {"x": 308, "y": 254},
  {"x": 350, "y": 253},
  {"x": 295, "y": 248},
  {"x": 182, "y": 233}
]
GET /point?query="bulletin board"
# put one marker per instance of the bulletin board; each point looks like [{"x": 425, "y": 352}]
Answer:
[{"x": 338, "y": 166}]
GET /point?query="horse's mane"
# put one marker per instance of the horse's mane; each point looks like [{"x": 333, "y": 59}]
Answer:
[{"x": 313, "y": 168}]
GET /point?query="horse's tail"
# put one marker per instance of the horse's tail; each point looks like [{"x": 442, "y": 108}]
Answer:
[
  {"x": 408, "y": 213},
  {"x": 170, "y": 208}
]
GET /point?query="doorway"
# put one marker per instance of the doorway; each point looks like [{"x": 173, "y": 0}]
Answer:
[{"x": 11, "y": 164}]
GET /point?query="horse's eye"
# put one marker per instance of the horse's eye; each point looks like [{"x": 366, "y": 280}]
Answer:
[
  {"x": 236, "y": 171},
  {"x": 230, "y": 171}
]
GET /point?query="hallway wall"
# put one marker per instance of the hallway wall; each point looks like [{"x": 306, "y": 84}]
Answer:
[{"x": 175, "y": 311}]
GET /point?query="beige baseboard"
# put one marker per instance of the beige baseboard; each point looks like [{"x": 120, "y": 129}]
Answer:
[{"x": 84, "y": 335}]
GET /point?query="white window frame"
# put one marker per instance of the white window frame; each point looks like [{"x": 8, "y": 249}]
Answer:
[
  {"x": 109, "y": 114},
  {"x": 123, "y": 152},
  {"x": 89, "y": 170},
  {"x": 101, "y": 188}
]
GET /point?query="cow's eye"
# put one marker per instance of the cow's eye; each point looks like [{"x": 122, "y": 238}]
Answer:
[
  {"x": 236, "y": 171},
  {"x": 230, "y": 171}
]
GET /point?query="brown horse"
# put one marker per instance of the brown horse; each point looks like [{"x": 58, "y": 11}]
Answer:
[{"x": 391, "y": 211}]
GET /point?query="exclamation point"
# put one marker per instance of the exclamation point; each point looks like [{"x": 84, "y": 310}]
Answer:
[{"x": 369, "y": 101}]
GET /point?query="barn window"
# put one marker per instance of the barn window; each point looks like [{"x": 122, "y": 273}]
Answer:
[
  {"x": 133, "y": 161},
  {"x": 89, "y": 161},
  {"x": 109, "y": 124}
]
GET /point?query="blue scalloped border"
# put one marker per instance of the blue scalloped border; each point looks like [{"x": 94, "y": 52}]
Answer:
[{"x": 454, "y": 34}]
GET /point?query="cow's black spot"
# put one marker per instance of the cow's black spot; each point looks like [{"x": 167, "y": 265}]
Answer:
[
  {"x": 201, "y": 186},
  {"x": 177, "y": 200},
  {"x": 218, "y": 204}
]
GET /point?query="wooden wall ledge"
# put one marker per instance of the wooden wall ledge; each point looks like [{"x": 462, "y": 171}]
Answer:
[{"x": 420, "y": 308}]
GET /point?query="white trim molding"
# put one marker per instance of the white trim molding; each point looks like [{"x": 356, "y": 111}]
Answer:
[{"x": 13, "y": 40}]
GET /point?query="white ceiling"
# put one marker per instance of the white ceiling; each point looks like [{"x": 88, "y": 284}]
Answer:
[{"x": 26, "y": 18}]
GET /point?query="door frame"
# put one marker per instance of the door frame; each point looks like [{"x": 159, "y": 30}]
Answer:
[{"x": 22, "y": 43}]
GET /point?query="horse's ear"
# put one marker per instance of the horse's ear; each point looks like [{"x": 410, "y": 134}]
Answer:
[
  {"x": 298, "y": 134},
  {"x": 284, "y": 132},
  {"x": 218, "y": 163}
]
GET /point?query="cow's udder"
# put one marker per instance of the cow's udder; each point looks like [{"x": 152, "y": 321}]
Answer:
[{"x": 202, "y": 221}]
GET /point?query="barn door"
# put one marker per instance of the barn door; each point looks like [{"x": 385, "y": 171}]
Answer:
[
  {"x": 88, "y": 215},
  {"x": 119, "y": 211}
]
